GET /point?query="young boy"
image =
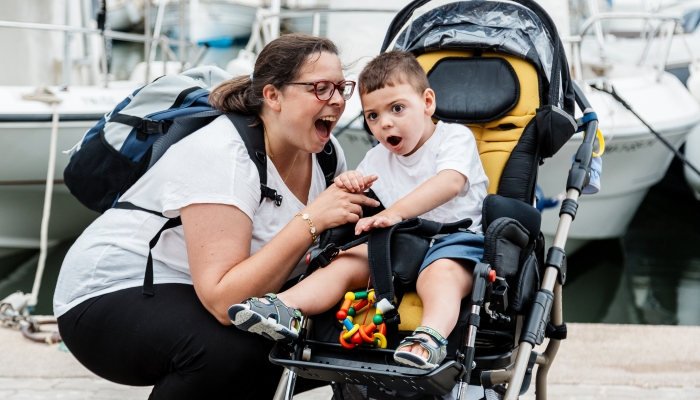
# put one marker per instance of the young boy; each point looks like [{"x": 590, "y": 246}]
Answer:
[{"x": 426, "y": 170}]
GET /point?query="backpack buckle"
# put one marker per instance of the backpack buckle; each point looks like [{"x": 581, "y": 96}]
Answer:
[
  {"x": 271, "y": 194},
  {"x": 150, "y": 127}
]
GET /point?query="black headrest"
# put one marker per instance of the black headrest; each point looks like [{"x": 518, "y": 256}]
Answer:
[{"x": 473, "y": 89}]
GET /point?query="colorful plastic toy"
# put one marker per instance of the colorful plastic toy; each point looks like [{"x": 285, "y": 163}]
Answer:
[{"x": 353, "y": 334}]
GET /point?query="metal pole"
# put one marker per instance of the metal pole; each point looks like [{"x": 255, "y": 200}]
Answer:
[
  {"x": 147, "y": 43},
  {"x": 552, "y": 347},
  {"x": 181, "y": 36},
  {"x": 87, "y": 51},
  {"x": 275, "y": 7},
  {"x": 156, "y": 30},
  {"x": 67, "y": 59},
  {"x": 593, "y": 9},
  {"x": 289, "y": 393},
  {"x": 549, "y": 282},
  {"x": 316, "y": 27},
  {"x": 516, "y": 381},
  {"x": 283, "y": 386}
]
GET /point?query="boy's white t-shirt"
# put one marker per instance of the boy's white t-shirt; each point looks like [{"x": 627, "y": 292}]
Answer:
[
  {"x": 211, "y": 165},
  {"x": 452, "y": 146}
]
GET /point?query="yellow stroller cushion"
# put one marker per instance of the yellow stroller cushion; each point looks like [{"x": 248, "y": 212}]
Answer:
[{"x": 495, "y": 139}]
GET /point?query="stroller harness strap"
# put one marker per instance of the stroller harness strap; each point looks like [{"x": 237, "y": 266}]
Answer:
[
  {"x": 408, "y": 240},
  {"x": 379, "y": 251}
]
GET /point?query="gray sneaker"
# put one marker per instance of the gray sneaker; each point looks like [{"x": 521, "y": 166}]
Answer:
[{"x": 273, "y": 320}]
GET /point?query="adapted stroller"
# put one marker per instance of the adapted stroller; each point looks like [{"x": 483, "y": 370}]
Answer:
[{"x": 499, "y": 67}]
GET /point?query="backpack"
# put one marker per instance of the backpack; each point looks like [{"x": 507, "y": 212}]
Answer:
[{"x": 132, "y": 137}]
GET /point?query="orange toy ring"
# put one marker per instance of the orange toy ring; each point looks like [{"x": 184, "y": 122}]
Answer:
[
  {"x": 366, "y": 337},
  {"x": 344, "y": 343}
]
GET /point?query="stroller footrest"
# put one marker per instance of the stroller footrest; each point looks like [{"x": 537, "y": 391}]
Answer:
[{"x": 373, "y": 367}]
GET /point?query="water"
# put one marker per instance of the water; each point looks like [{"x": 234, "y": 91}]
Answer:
[{"x": 652, "y": 274}]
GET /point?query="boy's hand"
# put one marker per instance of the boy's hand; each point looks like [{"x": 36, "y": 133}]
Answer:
[
  {"x": 353, "y": 181},
  {"x": 376, "y": 221}
]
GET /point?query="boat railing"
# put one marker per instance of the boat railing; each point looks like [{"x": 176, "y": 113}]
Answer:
[
  {"x": 667, "y": 27},
  {"x": 267, "y": 21},
  {"x": 151, "y": 39}
]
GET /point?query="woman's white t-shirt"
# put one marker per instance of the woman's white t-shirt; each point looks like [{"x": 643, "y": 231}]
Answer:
[
  {"x": 452, "y": 146},
  {"x": 211, "y": 165}
]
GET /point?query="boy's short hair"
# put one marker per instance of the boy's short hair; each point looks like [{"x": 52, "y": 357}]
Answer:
[{"x": 391, "y": 68}]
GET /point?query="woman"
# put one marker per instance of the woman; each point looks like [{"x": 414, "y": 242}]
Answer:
[{"x": 230, "y": 246}]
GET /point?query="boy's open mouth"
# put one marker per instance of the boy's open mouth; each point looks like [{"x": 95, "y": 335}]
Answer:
[
  {"x": 323, "y": 126},
  {"x": 394, "y": 141}
]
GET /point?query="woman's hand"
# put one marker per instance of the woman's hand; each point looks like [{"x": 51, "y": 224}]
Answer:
[
  {"x": 336, "y": 206},
  {"x": 218, "y": 241}
]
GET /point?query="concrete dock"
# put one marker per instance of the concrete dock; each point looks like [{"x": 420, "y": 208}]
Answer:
[{"x": 597, "y": 361}]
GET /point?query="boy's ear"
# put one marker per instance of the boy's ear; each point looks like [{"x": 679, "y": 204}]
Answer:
[
  {"x": 272, "y": 97},
  {"x": 429, "y": 102}
]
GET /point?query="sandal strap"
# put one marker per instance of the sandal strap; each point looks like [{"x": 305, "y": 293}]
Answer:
[
  {"x": 284, "y": 314},
  {"x": 437, "y": 338}
]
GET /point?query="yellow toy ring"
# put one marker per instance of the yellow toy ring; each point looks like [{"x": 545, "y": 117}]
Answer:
[
  {"x": 347, "y": 335},
  {"x": 381, "y": 339}
]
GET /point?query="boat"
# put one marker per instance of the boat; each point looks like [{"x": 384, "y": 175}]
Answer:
[
  {"x": 692, "y": 153},
  {"x": 26, "y": 122},
  {"x": 25, "y": 130},
  {"x": 642, "y": 41},
  {"x": 634, "y": 158},
  {"x": 37, "y": 55},
  {"x": 221, "y": 22},
  {"x": 358, "y": 28},
  {"x": 125, "y": 15}
]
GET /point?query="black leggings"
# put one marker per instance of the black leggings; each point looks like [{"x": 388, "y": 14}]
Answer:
[{"x": 170, "y": 341}]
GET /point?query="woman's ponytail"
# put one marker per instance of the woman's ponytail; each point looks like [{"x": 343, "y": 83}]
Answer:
[{"x": 236, "y": 96}]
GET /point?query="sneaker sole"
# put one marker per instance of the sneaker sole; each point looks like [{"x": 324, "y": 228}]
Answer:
[
  {"x": 250, "y": 321},
  {"x": 412, "y": 360}
]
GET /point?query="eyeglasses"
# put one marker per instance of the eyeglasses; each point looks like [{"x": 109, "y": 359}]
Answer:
[{"x": 324, "y": 89}]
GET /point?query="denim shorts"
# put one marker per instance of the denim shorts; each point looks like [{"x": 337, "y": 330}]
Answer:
[{"x": 457, "y": 246}]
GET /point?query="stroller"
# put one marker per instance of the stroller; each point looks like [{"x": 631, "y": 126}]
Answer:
[{"x": 499, "y": 67}]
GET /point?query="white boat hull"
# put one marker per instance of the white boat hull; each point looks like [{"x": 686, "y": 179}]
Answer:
[
  {"x": 634, "y": 158},
  {"x": 21, "y": 211},
  {"x": 692, "y": 153},
  {"x": 631, "y": 165},
  {"x": 25, "y": 131}
]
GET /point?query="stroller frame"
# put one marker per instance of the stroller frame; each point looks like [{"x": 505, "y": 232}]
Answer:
[{"x": 317, "y": 360}]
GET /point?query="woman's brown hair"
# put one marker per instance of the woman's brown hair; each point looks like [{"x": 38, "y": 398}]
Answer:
[{"x": 279, "y": 62}]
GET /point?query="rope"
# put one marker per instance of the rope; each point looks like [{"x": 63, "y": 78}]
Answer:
[
  {"x": 44, "y": 95},
  {"x": 677, "y": 153}
]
